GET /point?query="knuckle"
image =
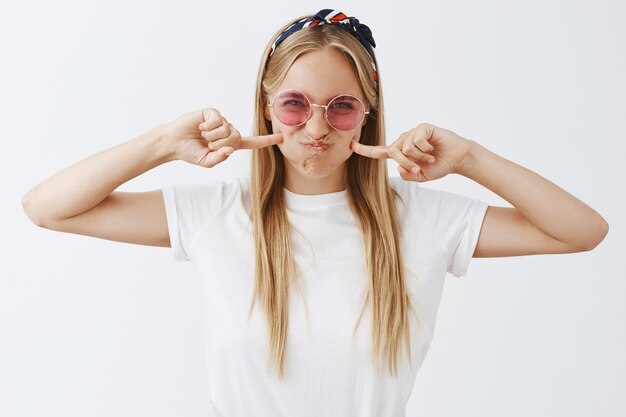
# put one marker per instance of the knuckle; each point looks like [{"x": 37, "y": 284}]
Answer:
[
  {"x": 233, "y": 136},
  {"x": 216, "y": 144},
  {"x": 212, "y": 113},
  {"x": 211, "y": 119},
  {"x": 411, "y": 161}
]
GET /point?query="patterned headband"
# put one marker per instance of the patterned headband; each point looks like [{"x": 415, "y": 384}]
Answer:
[{"x": 351, "y": 24}]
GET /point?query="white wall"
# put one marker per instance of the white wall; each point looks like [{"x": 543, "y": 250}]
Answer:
[{"x": 90, "y": 327}]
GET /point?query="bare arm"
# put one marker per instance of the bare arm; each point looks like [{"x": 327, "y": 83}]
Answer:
[
  {"x": 545, "y": 218},
  {"x": 85, "y": 184},
  {"x": 81, "y": 198}
]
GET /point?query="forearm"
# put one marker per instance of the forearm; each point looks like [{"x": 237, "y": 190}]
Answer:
[
  {"x": 85, "y": 184},
  {"x": 543, "y": 203}
]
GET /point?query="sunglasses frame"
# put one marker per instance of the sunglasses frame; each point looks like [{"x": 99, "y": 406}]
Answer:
[{"x": 311, "y": 105}]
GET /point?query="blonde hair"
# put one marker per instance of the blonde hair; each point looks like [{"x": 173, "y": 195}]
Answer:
[{"x": 370, "y": 197}]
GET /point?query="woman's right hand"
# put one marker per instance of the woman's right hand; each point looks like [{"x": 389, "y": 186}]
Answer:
[{"x": 205, "y": 138}]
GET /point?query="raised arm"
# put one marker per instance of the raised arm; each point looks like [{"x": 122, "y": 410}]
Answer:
[
  {"x": 544, "y": 217},
  {"x": 81, "y": 198}
]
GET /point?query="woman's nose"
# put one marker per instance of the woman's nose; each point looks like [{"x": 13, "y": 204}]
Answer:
[{"x": 317, "y": 126}]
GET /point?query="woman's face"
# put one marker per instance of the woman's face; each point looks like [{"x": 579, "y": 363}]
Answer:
[{"x": 321, "y": 76}]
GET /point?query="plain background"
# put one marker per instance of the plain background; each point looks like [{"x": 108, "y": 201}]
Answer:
[{"x": 90, "y": 327}]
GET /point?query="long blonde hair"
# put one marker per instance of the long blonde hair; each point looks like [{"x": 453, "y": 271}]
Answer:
[{"x": 370, "y": 197}]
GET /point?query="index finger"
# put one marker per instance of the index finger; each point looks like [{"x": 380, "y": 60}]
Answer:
[
  {"x": 256, "y": 142},
  {"x": 376, "y": 152}
]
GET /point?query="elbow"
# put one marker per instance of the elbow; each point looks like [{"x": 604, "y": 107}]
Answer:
[
  {"x": 27, "y": 206},
  {"x": 599, "y": 234}
]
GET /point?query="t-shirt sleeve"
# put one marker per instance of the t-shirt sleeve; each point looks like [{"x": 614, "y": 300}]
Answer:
[
  {"x": 189, "y": 208},
  {"x": 456, "y": 221}
]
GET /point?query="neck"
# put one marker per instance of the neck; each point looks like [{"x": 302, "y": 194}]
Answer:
[{"x": 299, "y": 184}]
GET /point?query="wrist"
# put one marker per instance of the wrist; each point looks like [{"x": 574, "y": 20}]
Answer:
[
  {"x": 467, "y": 163},
  {"x": 163, "y": 147}
]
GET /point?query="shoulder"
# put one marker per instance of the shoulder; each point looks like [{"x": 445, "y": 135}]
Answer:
[
  {"x": 410, "y": 192},
  {"x": 207, "y": 196},
  {"x": 402, "y": 187},
  {"x": 424, "y": 195},
  {"x": 435, "y": 205},
  {"x": 224, "y": 187}
]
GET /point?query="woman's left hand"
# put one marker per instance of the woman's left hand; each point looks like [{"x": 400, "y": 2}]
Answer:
[{"x": 416, "y": 147}]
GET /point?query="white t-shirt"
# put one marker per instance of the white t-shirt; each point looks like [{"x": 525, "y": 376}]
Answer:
[{"x": 327, "y": 374}]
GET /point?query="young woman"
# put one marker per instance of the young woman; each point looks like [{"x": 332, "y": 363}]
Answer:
[{"x": 322, "y": 275}]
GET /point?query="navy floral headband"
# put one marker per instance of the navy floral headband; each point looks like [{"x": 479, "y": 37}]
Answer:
[{"x": 329, "y": 16}]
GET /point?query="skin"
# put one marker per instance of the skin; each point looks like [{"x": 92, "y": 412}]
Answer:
[
  {"x": 543, "y": 218},
  {"x": 320, "y": 75}
]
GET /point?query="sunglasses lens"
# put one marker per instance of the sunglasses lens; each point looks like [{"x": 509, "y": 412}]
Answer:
[
  {"x": 344, "y": 112},
  {"x": 291, "y": 108}
]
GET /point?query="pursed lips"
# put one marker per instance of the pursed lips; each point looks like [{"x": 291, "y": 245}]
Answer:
[{"x": 316, "y": 146}]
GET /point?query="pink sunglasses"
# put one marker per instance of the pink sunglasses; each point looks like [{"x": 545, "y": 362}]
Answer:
[{"x": 343, "y": 112}]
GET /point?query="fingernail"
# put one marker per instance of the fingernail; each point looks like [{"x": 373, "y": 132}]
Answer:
[{"x": 415, "y": 170}]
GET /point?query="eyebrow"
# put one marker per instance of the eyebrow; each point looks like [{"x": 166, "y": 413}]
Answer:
[{"x": 326, "y": 100}]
